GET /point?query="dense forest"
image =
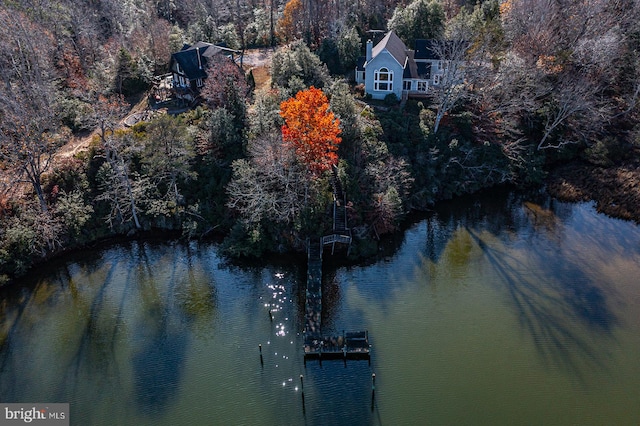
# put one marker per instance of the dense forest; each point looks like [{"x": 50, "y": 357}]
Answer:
[{"x": 545, "y": 81}]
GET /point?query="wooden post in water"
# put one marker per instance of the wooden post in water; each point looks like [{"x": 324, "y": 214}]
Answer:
[
  {"x": 261, "y": 359},
  {"x": 302, "y": 388},
  {"x": 373, "y": 390},
  {"x": 270, "y": 315},
  {"x": 344, "y": 354}
]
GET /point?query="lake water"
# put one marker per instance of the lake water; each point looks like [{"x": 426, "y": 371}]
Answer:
[{"x": 495, "y": 310}]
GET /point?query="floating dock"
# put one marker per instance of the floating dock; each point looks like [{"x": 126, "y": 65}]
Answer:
[{"x": 352, "y": 345}]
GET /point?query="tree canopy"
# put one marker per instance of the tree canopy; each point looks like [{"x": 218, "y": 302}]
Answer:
[
  {"x": 311, "y": 129},
  {"x": 421, "y": 19}
]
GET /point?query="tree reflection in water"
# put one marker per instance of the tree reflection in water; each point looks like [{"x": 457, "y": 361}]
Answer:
[
  {"x": 167, "y": 310},
  {"x": 557, "y": 299}
]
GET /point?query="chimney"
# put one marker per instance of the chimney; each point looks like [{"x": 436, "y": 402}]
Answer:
[
  {"x": 199, "y": 60},
  {"x": 369, "y": 50}
]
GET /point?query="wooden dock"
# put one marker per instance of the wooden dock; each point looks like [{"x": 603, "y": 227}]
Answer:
[
  {"x": 313, "y": 305},
  {"x": 350, "y": 345}
]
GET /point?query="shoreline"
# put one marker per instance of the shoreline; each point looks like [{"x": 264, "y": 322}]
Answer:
[{"x": 615, "y": 190}]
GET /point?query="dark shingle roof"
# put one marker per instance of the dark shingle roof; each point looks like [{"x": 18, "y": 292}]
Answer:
[
  {"x": 424, "y": 50},
  {"x": 194, "y": 59},
  {"x": 410, "y": 69}
]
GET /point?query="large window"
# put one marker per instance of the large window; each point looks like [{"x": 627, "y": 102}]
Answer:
[
  {"x": 422, "y": 86},
  {"x": 406, "y": 85},
  {"x": 383, "y": 80}
]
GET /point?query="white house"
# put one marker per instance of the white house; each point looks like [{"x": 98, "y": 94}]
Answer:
[{"x": 389, "y": 67}]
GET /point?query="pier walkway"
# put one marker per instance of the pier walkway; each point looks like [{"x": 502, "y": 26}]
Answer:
[{"x": 316, "y": 345}]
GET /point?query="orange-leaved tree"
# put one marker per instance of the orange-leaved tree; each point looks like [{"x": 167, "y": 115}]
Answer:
[
  {"x": 311, "y": 129},
  {"x": 289, "y": 26}
]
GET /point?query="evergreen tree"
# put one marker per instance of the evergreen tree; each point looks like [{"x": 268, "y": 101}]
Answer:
[{"x": 421, "y": 19}]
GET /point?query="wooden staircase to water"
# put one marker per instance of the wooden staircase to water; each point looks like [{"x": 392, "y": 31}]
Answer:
[{"x": 316, "y": 345}]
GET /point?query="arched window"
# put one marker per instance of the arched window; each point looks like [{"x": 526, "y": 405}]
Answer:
[{"x": 383, "y": 80}]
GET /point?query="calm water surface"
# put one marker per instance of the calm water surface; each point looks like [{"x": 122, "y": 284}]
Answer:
[{"x": 492, "y": 311}]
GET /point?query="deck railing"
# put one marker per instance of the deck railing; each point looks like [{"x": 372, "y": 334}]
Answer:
[{"x": 336, "y": 238}]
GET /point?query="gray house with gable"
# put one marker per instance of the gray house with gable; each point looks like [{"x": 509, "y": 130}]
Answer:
[{"x": 390, "y": 67}]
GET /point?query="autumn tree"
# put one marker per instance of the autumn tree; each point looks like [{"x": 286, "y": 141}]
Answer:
[
  {"x": 290, "y": 25},
  {"x": 226, "y": 87},
  {"x": 311, "y": 129}
]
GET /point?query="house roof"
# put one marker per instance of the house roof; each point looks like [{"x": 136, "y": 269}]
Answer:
[
  {"x": 193, "y": 59},
  {"x": 392, "y": 43},
  {"x": 416, "y": 70},
  {"x": 425, "y": 50},
  {"x": 410, "y": 68}
]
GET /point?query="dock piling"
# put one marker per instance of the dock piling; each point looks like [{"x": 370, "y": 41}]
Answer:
[
  {"x": 302, "y": 388},
  {"x": 373, "y": 391}
]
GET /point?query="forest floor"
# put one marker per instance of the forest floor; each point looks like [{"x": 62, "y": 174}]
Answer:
[
  {"x": 258, "y": 61},
  {"x": 615, "y": 190}
]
